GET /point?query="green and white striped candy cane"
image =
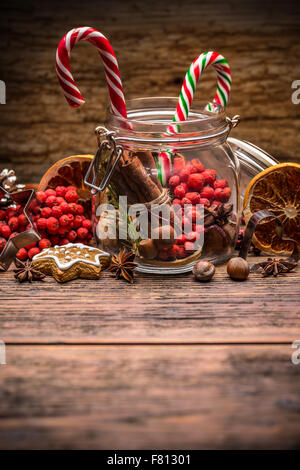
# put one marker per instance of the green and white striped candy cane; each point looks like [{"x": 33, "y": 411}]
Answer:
[
  {"x": 164, "y": 166},
  {"x": 188, "y": 89}
]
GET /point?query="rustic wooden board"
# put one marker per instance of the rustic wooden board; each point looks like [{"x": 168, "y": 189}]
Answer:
[
  {"x": 155, "y": 42},
  {"x": 162, "y": 397},
  {"x": 155, "y": 308}
]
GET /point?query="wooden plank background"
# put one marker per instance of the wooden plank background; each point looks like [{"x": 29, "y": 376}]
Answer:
[{"x": 154, "y": 42}]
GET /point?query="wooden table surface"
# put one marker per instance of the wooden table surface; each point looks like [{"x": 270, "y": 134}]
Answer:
[{"x": 166, "y": 363}]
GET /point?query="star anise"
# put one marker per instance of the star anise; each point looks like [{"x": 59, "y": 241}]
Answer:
[
  {"x": 122, "y": 265},
  {"x": 217, "y": 214},
  {"x": 27, "y": 272},
  {"x": 275, "y": 266}
]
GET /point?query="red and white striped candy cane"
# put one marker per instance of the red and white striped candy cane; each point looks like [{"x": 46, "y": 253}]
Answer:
[
  {"x": 188, "y": 89},
  {"x": 71, "y": 92}
]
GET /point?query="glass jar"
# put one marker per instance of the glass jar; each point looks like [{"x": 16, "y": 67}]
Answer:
[{"x": 180, "y": 199}]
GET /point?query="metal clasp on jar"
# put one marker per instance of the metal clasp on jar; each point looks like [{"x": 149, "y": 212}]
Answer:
[
  {"x": 106, "y": 144},
  {"x": 234, "y": 121}
]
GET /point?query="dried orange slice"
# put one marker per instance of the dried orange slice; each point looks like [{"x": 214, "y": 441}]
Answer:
[
  {"x": 66, "y": 172},
  {"x": 276, "y": 189},
  {"x": 70, "y": 171}
]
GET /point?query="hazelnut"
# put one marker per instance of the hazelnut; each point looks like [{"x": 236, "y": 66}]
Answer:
[
  {"x": 203, "y": 270},
  {"x": 163, "y": 236},
  {"x": 148, "y": 249},
  {"x": 238, "y": 269}
]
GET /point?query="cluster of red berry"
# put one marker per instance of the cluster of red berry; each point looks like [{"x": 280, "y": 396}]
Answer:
[
  {"x": 59, "y": 219},
  {"x": 191, "y": 184}
]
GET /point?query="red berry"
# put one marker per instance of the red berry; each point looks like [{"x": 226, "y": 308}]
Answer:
[
  {"x": 71, "y": 196},
  {"x": 189, "y": 246},
  {"x": 61, "y": 191},
  {"x": 2, "y": 243},
  {"x": 79, "y": 209},
  {"x": 19, "y": 209},
  {"x": 207, "y": 193},
  {"x": 174, "y": 181},
  {"x": 11, "y": 212},
  {"x": 46, "y": 212},
  {"x": 57, "y": 212},
  {"x": 178, "y": 164},
  {"x": 54, "y": 240},
  {"x": 41, "y": 195},
  {"x": 44, "y": 243},
  {"x": 209, "y": 177},
  {"x": 35, "y": 207},
  {"x": 65, "y": 207},
  {"x": 176, "y": 202},
  {"x": 51, "y": 201},
  {"x": 192, "y": 236},
  {"x": 220, "y": 184},
  {"x": 52, "y": 225},
  {"x": 226, "y": 194},
  {"x": 62, "y": 231},
  {"x": 64, "y": 241},
  {"x": 71, "y": 188},
  {"x": 72, "y": 235},
  {"x": 31, "y": 245},
  {"x": 13, "y": 223},
  {"x": 13, "y": 234},
  {"x": 222, "y": 195},
  {"x": 22, "y": 254},
  {"x": 73, "y": 208},
  {"x": 216, "y": 203},
  {"x": 198, "y": 165},
  {"x": 71, "y": 219},
  {"x": 5, "y": 231},
  {"x": 181, "y": 253},
  {"x": 185, "y": 201},
  {"x": 78, "y": 221},
  {"x": 196, "y": 182},
  {"x": 173, "y": 251},
  {"x": 50, "y": 192},
  {"x": 2, "y": 214},
  {"x": 180, "y": 191},
  {"x": 184, "y": 174},
  {"x": 82, "y": 233},
  {"x": 193, "y": 197},
  {"x": 42, "y": 223},
  {"x": 87, "y": 224},
  {"x": 191, "y": 169},
  {"x": 33, "y": 251},
  {"x": 64, "y": 220},
  {"x": 205, "y": 202},
  {"x": 60, "y": 200},
  {"x": 181, "y": 239}
]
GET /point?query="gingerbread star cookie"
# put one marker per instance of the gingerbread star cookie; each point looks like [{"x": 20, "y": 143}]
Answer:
[{"x": 71, "y": 261}]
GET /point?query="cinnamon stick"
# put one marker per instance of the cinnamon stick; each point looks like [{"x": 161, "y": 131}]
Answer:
[
  {"x": 147, "y": 159},
  {"x": 138, "y": 179}
]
